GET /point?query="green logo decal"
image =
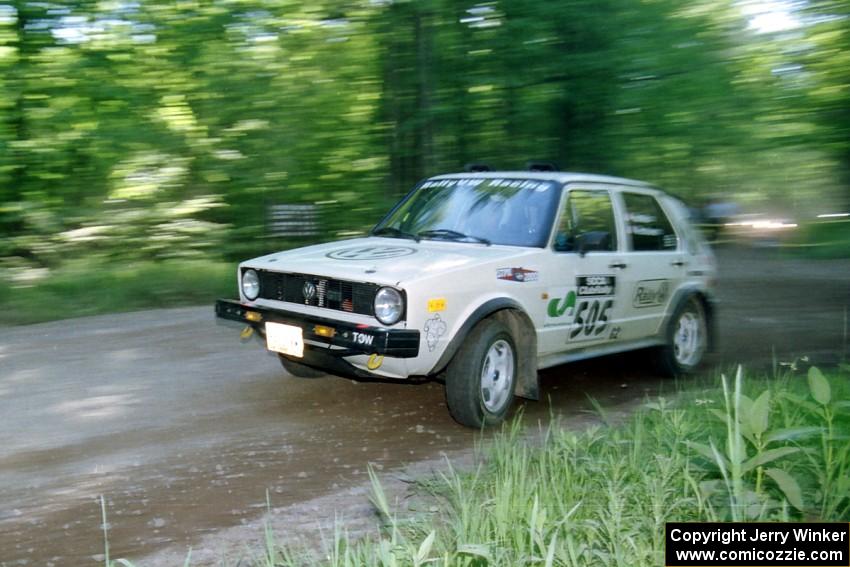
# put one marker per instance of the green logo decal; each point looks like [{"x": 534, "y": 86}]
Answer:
[{"x": 568, "y": 302}]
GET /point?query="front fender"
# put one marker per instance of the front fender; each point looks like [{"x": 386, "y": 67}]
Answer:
[{"x": 525, "y": 336}]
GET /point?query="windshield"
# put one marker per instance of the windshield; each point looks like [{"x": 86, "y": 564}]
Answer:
[{"x": 515, "y": 212}]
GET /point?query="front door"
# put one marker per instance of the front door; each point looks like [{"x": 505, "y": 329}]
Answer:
[{"x": 582, "y": 308}]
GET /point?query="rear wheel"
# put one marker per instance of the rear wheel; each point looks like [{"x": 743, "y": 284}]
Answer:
[
  {"x": 299, "y": 370},
  {"x": 687, "y": 339},
  {"x": 481, "y": 379}
]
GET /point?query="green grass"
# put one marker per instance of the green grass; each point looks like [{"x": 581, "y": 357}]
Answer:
[
  {"x": 737, "y": 449},
  {"x": 85, "y": 289},
  {"x": 822, "y": 240}
]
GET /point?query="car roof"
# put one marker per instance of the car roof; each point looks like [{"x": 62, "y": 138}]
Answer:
[{"x": 557, "y": 176}]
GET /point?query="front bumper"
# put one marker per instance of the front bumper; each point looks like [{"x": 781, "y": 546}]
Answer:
[{"x": 349, "y": 339}]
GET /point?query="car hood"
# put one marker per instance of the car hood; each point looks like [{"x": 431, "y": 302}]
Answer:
[{"x": 389, "y": 261}]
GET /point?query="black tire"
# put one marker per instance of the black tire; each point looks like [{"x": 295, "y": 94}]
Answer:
[
  {"x": 300, "y": 370},
  {"x": 686, "y": 339},
  {"x": 476, "y": 400}
]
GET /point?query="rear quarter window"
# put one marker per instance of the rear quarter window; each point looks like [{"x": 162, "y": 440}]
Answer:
[{"x": 684, "y": 220}]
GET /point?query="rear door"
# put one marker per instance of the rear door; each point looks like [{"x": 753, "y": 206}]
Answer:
[
  {"x": 656, "y": 263},
  {"x": 582, "y": 285}
]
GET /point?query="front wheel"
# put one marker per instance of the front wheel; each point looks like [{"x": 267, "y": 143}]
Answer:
[
  {"x": 686, "y": 339},
  {"x": 299, "y": 370},
  {"x": 481, "y": 378}
]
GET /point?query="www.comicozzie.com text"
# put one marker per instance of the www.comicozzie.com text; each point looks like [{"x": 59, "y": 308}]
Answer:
[{"x": 757, "y": 534}]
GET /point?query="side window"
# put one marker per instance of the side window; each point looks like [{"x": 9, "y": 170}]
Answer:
[
  {"x": 648, "y": 227},
  {"x": 587, "y": 223}
]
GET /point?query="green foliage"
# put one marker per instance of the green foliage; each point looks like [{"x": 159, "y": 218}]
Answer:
[
  {"x": 747, "y": 424},
  {"x": 826, "y": 59},
  {"x": 801, "y": 434},
  {"x": 153, "y": 130},
  {"x": 823, "y": 240},
  {"x": 84, "y": 288}
]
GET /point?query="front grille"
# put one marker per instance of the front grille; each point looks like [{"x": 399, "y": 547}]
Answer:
[{"x": 340, "y": 295}]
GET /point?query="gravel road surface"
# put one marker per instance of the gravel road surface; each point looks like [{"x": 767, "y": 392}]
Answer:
[{"x": 184, "y": 431}]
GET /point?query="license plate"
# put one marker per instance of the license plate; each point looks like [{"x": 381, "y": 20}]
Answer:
[{"x": 285, "y": 339}]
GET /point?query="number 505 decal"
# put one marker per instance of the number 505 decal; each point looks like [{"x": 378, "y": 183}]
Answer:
[{"x": 591, "y": 319}]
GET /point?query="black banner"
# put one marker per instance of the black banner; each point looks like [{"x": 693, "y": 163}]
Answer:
[
  {"x": 595, "y": 285},
  {"x": 763, "y": 544}
]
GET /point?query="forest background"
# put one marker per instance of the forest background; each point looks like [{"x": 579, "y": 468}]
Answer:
[{"x": 139, "y": 133}]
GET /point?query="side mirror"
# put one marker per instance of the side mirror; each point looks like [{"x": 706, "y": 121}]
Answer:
[
  {"x": 564, "y": 242},
  {"x": 582, "y": 245},
  {"x": 593, "y": 241}
]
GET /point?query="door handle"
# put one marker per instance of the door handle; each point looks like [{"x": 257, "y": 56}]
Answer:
[
  {"x": 617, "y": 265},
  {"x": 679, "y": 263}
]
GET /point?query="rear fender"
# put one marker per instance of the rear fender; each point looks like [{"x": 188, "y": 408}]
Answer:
[{"x": 708, "y": 303}]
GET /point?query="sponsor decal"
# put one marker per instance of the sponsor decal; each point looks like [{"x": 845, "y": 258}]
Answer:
[
  {"x": 586, "y": 310},
  {"x": 591, "y": 319},
  {"x": 557, "y": 307},
  {"x": 646, "y": 231},
  {"x": 370, "y": 252},
  {"x": 651, "y": 293},
  {"x": 615, "y": 333},
  {"x": 464, "y": 182},
  {"x": 434, "y": 329},
  {"x": 641, "y": 218},
  {"x": 375, "y": 361},
  {"x": 595, "y": 285},
  {"x": 517, "y": 275},
  {"x": 437, "y": 304},
  {"x": 538, "y": 186},
  {"x": 591, "y": 314},
  {"x": 362, "y": 338}
]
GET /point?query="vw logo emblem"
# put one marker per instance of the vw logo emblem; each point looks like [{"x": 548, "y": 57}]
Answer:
[
  {"x": 309, "y": 290},
  {"x": 371, "y": 252}
]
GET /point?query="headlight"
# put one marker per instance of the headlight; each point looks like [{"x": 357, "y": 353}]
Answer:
[
  {"x": 389, "y": 305},
  {"x": 250, "y": 284}
]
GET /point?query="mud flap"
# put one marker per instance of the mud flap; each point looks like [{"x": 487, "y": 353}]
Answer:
[
  {"x": 523, "y": 332},
  {"x": 528, "y": 386}
]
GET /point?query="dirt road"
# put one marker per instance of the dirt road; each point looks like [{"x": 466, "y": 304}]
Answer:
[{"x": 183, "y": 430}]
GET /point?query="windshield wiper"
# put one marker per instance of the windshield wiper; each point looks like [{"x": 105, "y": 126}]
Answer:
[
  {"x": 452, "y": 235},
  {"x": 393, "y": 232}
]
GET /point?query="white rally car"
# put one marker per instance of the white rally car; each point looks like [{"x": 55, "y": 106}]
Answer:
[{"x": 480, "y": 279}]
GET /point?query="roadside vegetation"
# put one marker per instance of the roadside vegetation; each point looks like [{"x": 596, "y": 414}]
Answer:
[
  {"x": 77, "y": 290},
  {"x": 808, "y": 240},
  {"x": 737, "y": 448},
  {"x": 823, "y": 240}
]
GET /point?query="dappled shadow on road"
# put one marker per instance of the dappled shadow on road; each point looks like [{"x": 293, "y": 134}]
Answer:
[{"x": 214, "y": 471}]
